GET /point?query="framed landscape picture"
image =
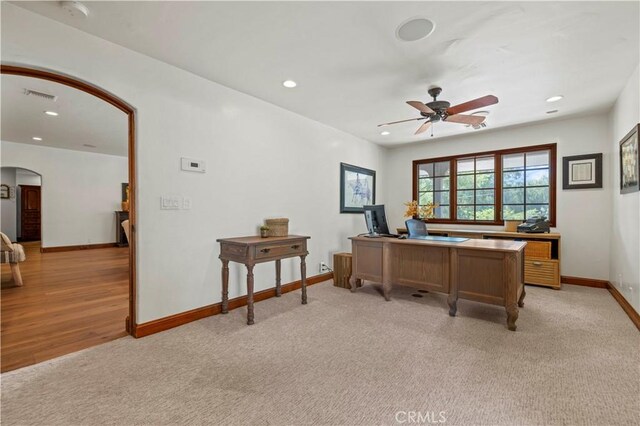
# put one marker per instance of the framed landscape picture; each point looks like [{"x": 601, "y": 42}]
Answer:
[
  {"x": 630, "y": 162},
  {"x": 582, "y": 171},
  {"x": 357, "y": 188}
]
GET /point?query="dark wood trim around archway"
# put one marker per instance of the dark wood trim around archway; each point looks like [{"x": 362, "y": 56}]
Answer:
[{"x": 127, "y": 109}]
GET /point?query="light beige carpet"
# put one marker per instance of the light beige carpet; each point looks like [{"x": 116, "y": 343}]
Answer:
[{"x": 353, "y": 359}]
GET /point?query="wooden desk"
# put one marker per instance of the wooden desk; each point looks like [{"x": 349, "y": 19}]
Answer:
[
  {"x": 252, "y": 250},
  {"x": 488, "y": 271},
  {"x": 537, "y": 271}
]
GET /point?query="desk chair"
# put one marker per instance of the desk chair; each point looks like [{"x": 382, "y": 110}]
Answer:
[
  {"x": 12, "y": 253},
  {"x": 416, "y": 228}
]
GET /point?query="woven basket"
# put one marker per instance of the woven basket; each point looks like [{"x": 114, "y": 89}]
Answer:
[
  {"x": 278, "y": 227},
  {"x": 538, "y": 249},
  {"x": 511, "y": 225}
]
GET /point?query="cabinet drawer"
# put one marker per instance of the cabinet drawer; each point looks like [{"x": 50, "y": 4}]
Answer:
[
  {"x": 291, "y": 249},
  {"x": 544, "y": 272}
]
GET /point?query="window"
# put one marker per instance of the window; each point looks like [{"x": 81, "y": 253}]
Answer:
[
  {"x": 525, "y": 183},
  {"x": 433, "y": 186},
  {"x": 489, "y": 187},
  {"x": 476, "y": 189}
]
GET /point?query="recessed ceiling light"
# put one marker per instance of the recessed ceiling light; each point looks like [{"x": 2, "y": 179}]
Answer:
[
  {"x": 88, "y": 145},
  {"x": 553, "y": 111},
  {"x": 52, "y": 113},
  {"x": 555, "y": 98},
  {"x": 36, "y": 138},
  {"x": 414, "y": 29},
  {"x": 385, "y": 133},
  {"x": 289, "y": 84},
  {"x": 75, "y": 8}
]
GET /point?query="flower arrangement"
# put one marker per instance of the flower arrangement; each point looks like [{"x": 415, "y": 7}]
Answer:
[{"x": 423, "y": 212}]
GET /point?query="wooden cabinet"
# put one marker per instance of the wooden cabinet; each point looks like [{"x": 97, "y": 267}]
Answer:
[{"x": 542, "y": 254}]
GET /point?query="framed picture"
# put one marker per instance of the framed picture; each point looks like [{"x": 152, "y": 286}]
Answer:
[
  {"x": 125, "y": 191},
  {"x": 4, "y": 191},
  {"x": 630, "y": 162},
  {"x": 582, "y": 171},
  {"x": 357, "y": 188}
]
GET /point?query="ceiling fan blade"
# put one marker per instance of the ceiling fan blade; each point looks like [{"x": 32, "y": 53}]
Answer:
[
  {"x": 476, "y": 103},
  {"x": 423, "y": 128},
  {"x": 401, "y": 121},
  {"x": 421, "y": 107},
  {"x": 466, "y": 119}
]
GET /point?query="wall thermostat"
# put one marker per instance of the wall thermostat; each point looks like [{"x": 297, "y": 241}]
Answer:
[{"x": 191, "y": 165}]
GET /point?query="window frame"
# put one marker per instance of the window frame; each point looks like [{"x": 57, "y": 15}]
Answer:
[{"x": 497, "y": 155}]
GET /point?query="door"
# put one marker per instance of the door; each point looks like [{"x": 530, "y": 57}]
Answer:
[{"x": 29, "y": 213}]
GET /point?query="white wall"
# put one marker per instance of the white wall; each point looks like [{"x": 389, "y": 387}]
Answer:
[
  {"x": 80, "y": 191},
  {"x": 582, "y": 215},
  {"x": 8, "y": 207},
  {"x": 262, "y": 161},
  {"x": 625, "y": 228}
]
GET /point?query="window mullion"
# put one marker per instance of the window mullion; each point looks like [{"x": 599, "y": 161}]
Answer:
[{"x": 453, "y": 187}]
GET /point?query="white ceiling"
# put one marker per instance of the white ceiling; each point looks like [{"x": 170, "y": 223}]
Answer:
[
  {"x": 353, "y": 73},
  {"x": 83, "y": 118}
]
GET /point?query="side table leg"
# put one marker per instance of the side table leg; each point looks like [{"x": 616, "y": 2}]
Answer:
[
  {"x": 278, "y": 285},
  {"x": 303, "y": 279},
  {"x": 249, "y": 294},
  {"x": 225, "y": 287}
]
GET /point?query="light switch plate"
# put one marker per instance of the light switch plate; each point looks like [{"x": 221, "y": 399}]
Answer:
[
  {"x": 170, "y": 202},
  {"x": 192, "y": 165},
  {"x": 186, "y": 203}
]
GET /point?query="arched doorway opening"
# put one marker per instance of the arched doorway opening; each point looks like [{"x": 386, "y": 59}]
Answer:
[{"x": 130, "y": 113}]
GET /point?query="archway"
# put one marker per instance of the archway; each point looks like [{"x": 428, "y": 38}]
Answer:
[{"x": 129, "y": 110}]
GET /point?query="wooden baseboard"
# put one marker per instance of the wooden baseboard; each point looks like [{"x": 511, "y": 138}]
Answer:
[
  {"x": 626, "y": 306},
  {"x": 586, "y": 282},
  {"x": 162, "y": 324},
  {"x": 74, "y": 248}
]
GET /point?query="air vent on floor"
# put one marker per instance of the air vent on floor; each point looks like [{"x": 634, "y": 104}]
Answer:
[{"x": 29, "y": 92}]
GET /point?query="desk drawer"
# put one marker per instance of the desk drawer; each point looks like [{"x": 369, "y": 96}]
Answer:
[
  {"x": 231, "y": 250},
  {"x": 543, "y": 272},
  {"x": 268, "y": 251}
]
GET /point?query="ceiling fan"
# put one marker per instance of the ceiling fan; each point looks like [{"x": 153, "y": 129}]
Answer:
[{"x": 442, "y": 111}]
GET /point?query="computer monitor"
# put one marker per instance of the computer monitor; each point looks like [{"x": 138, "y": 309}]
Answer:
[{"x": 376, "y": 220}]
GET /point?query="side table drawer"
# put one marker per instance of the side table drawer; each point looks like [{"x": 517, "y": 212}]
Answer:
[
  {"x": 268, "y": 251},
  {"x": 542, "y": 271}
]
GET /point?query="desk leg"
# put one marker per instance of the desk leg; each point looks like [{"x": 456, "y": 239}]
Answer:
[
  {"x": 354, "y": 283},
  {"x": 512, "y": 316},
  {"x": 225, "y": 287},
  {"x": 278, "y": 285},
  {"x": 521, "y": 300},
  {"x": 511, "y": 296},
  {"x": 249, "y": 294},
  {"x": 452, "y": 300},
  {"x": 303, "y": 279},
  {"x": 386, "y": 272}
]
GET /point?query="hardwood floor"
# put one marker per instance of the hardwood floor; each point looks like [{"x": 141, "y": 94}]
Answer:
[{"x": 70, "y": 301}]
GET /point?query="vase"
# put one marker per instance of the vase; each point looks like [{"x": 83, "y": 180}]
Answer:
[{"x": 264, "y": 233}]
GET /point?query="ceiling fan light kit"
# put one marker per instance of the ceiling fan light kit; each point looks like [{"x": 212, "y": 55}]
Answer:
[{"x": 443, "y": 111}]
